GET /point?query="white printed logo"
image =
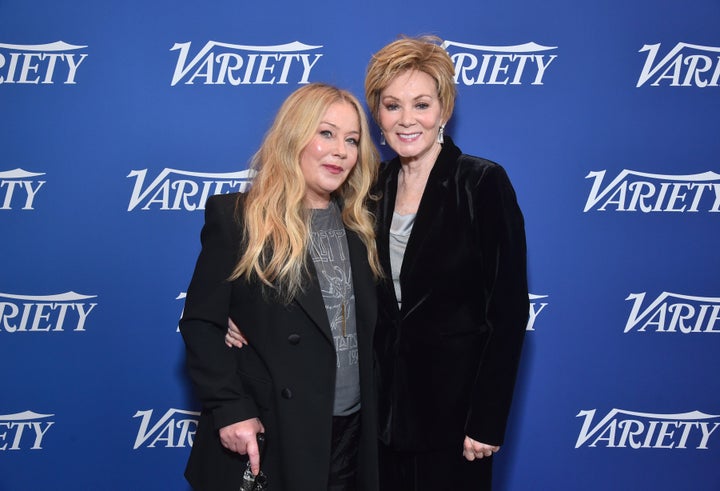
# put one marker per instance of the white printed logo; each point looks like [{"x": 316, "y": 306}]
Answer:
[
  {"x": 236, "y": 64},
  {"x": 499, "y": 65},
  {"x": 536, "y": 306},
  {"x": 635, "y": 430},
  {"x": 686, "y": 65},
  {"x": 44, "y": 313},
  {"x": 181, "y": 296},
  {"x": 39, "y": 63},
  {"x": 183, "y": 190},
  {"x": 24, "y": 430},
  {"x": 176, "y": 428},
  {"x": 671, "y": 312},
  {"x": 18, "y": 189},
  {"x": 634, "y": 191}
]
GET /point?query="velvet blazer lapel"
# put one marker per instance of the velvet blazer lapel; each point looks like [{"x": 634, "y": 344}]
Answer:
[{"x": 430, "y": 209}]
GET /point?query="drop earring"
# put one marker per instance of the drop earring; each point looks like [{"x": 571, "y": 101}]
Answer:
[
  {"x": 382, "y": 138},
  {"x": 441, "y": 137}
]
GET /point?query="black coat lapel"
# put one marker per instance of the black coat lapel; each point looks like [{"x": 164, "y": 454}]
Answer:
[
  {"x": 363, "y": 282},
  {"x": 311, "y": 301}
]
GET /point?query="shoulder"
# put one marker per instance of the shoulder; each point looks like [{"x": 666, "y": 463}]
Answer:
[
  {"x": 480, "y": 171},
  {"x": 488, "y": 181},
  {"x": 464, "y": 168},
  {"x": 225, "y": 204},
  {"x": 225, "y": 200},
  {"x": 224, "y": 214}
]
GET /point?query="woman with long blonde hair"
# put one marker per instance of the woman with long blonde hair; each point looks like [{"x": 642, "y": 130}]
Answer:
[
  {"x": 276, "y": 214},
  {"x": 295, "y": 261}
]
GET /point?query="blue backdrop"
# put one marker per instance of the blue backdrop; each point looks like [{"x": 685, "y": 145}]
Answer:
[{"x": 117, "y": 120}]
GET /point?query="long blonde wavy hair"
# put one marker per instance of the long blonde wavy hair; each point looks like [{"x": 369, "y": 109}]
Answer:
[{"x": 275, "y": 219}]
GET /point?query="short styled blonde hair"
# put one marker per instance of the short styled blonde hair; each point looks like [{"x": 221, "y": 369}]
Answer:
[{"x": 423, "y": 53}]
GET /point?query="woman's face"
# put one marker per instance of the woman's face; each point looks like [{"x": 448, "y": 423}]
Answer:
[
  {"x": 410, "y": 115},
  {"x": 331, "y": 154}
]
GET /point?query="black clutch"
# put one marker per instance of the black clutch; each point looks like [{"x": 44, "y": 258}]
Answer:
[{"x": 250, "y": 481}]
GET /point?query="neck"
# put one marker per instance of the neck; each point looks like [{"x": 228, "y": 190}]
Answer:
[
  {"x": 420, "y": 164},
  {"x": 419, "y": 167},
  {"x": 316, "y": 203}
]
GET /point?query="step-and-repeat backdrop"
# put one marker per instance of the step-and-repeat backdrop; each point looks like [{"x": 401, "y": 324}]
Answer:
[{"x": 118, "y": 120}]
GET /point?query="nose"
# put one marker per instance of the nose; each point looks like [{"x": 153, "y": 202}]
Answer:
[
  {"x": 405, "y": 119},
  {"x": 340, "y": 149}
]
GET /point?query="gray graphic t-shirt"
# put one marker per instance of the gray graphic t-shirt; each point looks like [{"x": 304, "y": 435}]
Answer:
[{"x": 329, "y": 252}]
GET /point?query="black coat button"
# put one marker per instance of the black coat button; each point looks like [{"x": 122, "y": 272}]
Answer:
[
  {"x": 286, "y": 393},
  {"x": 294, "y": 338}
]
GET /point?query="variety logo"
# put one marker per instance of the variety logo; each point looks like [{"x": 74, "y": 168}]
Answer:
[
  {"x": 671, "y": 312},
  {"x": 182, "y": 190},
  {"x": 629, "y": 429},
  {"x": 686, "y": 65},
  {"x": 176, "y": 428},
  {"x": 536, "y": 306},
  {"x": 40, "y": 63},
  {"x": 44, "y": 313},
  {"x": 181, "y": 296},
  {"x": 18, "y": 189},
  {"x": 644, "y": 192},
  {"x": 499, "y": 65},
  {"x": 26, "y": 430},
  {"x": 236, "y": 64}
]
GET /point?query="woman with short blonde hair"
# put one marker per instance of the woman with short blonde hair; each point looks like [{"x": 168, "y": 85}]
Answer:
[{"x": 453, "y": 307}]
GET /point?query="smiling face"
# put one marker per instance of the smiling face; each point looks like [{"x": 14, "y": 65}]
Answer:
[
  {"x": 410, "y": 115},
  {"x": 326, "y": 161}
]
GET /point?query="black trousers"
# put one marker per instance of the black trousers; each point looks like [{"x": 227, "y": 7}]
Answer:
[
  {"x": 433, "y": 471},
  {"x": 344, "y": 452}
]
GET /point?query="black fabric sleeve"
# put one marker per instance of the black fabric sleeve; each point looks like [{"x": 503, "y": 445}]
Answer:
[{"x": 212, "y": 365}]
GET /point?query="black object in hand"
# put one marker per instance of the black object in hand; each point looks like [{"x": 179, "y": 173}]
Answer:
[{"x": 250, "y": 481}]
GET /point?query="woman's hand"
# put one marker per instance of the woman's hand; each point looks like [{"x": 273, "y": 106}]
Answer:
[
  {"x": 476, "y": 450},
  {"x": 234, "y": 337},
  {"x": 241, "y": 437}
]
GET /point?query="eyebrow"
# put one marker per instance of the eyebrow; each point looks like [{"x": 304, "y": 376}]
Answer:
[
  {"x": 388, "y": 96},
  {"x": 336, "y": 126}
]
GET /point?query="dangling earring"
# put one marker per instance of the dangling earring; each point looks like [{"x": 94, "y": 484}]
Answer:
[
  {"x": 441, "y": 137},
  {"x": 382, "y": 138}
]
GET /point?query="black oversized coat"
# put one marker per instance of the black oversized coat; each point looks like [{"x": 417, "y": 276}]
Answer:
[
  {"x": 448, "y": 360},
  {"x": 285, "y": 376}
]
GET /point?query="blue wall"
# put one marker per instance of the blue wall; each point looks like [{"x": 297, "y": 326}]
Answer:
[{"x": 117, "y": 120}]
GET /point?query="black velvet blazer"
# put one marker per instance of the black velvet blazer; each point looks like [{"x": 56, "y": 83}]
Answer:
[
  {"x": 285, "y": 376},
  {"x": 447, "y": 362}
]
